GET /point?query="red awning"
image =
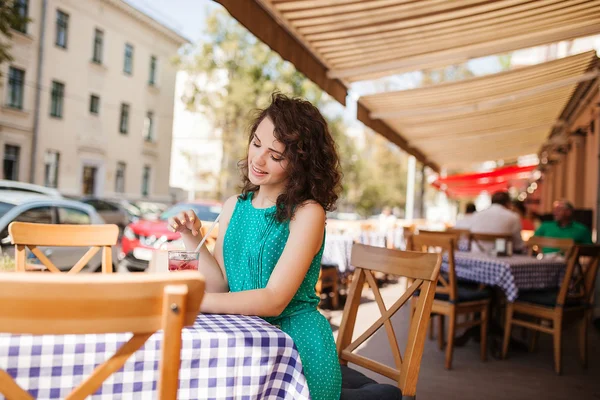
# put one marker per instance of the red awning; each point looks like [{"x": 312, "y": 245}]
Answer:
[{"x": 470, "y": 185}]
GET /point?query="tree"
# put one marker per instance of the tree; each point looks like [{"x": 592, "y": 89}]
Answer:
[
  {"x": 9, "y": 18},
  {"x": 241, "y": 73},
  {"x": 238, "y": 73}
]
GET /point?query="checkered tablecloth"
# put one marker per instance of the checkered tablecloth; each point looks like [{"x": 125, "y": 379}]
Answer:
[
  {"x": 222, "y": 357},
  {"x": 508, "y": 273},
  {"x": 337, "y": 251}
]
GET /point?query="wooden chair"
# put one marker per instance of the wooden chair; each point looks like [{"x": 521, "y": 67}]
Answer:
[
  {"x": 537, "y": 243},
  {"x": 40, "y": 304},
  {"x": 463, "y": 235},
  {"x": 33, "y": 235},
  {"x": 477, "y": 240},
  {"x": 572, "y": 301},
  {"x": 452, "y": 300},
  {"x": 424, "y": 269}
]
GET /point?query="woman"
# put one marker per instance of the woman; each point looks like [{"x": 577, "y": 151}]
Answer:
[{"x": 267, "y": 257}]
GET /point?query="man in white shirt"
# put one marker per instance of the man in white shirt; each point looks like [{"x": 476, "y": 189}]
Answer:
[
  {"x": 465, "y": 222},
  {"x": 497, "y": 219}
]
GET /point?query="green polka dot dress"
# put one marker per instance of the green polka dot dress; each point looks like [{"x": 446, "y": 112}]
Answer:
[{"x": 252, "y": 246}]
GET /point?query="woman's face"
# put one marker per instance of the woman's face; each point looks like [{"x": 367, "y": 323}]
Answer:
[{"x": 266, "y": 165}]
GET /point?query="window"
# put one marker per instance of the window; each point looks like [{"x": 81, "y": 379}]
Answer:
[
  {"x": 57, "y": 99},
  {"x": 16, "y": 81},
  {"x": 101, "y": 206},
  {"x": 94, "y": 104},
  {"x": 120, "y": 178},
  {"x": 51, "y": 161},
  {"x": 98, "y": 46},
  {"x": 146, "y": 181},
  {"x": 89, "y": 180},
  {"x": 149, "y": 127},
  {"x": 19, "y": 22},
  {"x": 152, "y": 78},
  {"x": 62, "y": 28},
  {"x": 67, "y": 215},
  {"x": 11, "y": 162},
  {"x": 128, "y": 64},
  {"x": 40, "y": 215},
  {"x": 124, "y": 123}
]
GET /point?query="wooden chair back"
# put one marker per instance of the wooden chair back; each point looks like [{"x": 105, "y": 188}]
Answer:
[
  {"x": 477, "y": 239},
  {"x": 440, "y": 242},
  {"x": 424, "y": 269},
  {"x": 120, "y": 303},
  {"x": 98, "y": 237},
  {"x": 537, "y": 243},
  {"x": 464, "y": 235},
  {"x": 407, "y": 234},
  {"x": 579, "y": 281}
]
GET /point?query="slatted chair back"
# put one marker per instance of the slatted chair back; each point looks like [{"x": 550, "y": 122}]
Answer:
[
  {"x": 98, "y": 237},
  {"x": 537, "y": 243},
  {"x": 56, "y": 304},
  {"x": 440, "y": 242},
  {"x": 464, "y": 236},
  {"x": 424, "y": 269},
  {"x": 478, "y": 240},
  {"x": 580, "y": 280}
]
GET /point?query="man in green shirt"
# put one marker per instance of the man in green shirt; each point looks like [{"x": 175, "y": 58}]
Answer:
[{"x": 563, "y": 226}]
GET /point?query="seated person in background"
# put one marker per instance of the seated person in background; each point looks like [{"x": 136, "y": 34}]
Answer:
[
  {"x": 519, "y": 208},
  {"x": 563, "y": 226},
  {"x": 465, "y": 222},
  {"x": 497, "y": 219}
]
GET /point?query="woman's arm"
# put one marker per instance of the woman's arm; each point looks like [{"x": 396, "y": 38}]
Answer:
[
  {"x": 304, "y": 241},
  {"x": 211, "y": 266}
]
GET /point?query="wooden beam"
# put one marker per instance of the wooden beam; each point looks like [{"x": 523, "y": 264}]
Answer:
[
  {"x": 390, "y": 134},
  {"x": 263, "y": 25},
  {"x": 491, "y": 103}
]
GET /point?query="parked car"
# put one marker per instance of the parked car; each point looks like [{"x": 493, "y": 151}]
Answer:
[
  {"x": 141, "y": 238},
  {"x": 37, "y": 208},
  {"x": 111, "y": 211},
  {"x": 15, "y": 186}
]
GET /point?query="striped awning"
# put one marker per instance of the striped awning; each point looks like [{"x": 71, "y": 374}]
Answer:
[
  {"x": 336, "y": 42},
  {"x": 499, "y": 116}
]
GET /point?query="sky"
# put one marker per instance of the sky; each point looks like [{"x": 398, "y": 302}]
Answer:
[{"x": 184, "y": 16}]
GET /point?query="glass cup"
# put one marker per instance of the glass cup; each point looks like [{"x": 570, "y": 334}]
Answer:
[{"x": 183, "y": 260}]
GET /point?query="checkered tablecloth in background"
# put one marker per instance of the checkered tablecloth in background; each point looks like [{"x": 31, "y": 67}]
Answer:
[
  {"x": 222, "y": 357},
  {"x": 337, "y": 251},
  {"x": 508, "y": 273}
]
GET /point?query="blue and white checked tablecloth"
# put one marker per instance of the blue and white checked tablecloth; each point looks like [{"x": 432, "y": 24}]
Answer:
[
  {"x": 222, "y": 357},
  {"x": 508, "y": 273},
  {"x": 337, "y": 251}
]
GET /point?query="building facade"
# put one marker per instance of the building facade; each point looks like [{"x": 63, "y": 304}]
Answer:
[{"x": 87, "y": 102}]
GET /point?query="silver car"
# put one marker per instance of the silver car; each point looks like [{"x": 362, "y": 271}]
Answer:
[
  {"x": 36, "y": 208},
  {"x": 111, "y": 211}
]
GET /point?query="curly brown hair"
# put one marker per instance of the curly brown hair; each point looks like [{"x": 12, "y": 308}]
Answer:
[{"x": 313, "y": 167}]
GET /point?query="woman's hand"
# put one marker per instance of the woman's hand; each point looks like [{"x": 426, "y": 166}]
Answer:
[{"x": 185, "y": 222}]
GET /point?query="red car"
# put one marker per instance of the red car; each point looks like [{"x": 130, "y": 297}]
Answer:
[{"x": 141, "y": 238}]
